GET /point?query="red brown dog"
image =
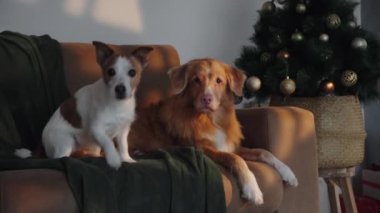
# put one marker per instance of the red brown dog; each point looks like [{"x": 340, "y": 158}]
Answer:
[{"x": 201, "y": 113}]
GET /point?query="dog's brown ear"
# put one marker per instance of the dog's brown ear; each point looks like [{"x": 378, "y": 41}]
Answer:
[
  {"x": 178, "y": 78},
  {"x": 142, "y": 53},
  {"x": 103, "y": 51},
  {"x": 236, "y": 79}
]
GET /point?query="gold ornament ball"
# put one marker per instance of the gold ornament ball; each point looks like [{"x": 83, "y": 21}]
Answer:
[
  {"x": 359, "y": 43},
  {"x": 301, "y": 8},
  {"x": 352, "y": 24},
  {"x": 324, "y": 37},
  {"x": 283, "y": 54},
  {"x": 349, "y": 78},
  {"x": 287, "y": 86},
  {"x": 268, "y": 7},
  {"x": 327, "y": 86},
  {"x": 253, "y": 84},
  {"x": 333, "y": 21}
]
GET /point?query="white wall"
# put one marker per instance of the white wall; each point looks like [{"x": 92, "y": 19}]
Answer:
[{"x": 197, "y": 28}]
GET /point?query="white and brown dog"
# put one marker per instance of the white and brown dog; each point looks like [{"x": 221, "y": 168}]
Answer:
[
  {"x": 101, "y": 111},
  {"x": 201, "y": 112}
]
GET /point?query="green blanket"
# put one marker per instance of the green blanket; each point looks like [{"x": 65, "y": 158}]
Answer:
[
  {"x": 32, "y": 86},
  {"x": 178, "y": 180}
]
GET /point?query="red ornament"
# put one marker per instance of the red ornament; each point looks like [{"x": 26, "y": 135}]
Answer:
[
  {"x": 327, "y": 86},
  {"x": 283, "y": 54}
]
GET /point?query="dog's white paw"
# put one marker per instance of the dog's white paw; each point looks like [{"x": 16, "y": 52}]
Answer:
[
  {"x": 127, "y": 159},
  {"x": 252, "y": 194},
  {"x": 114, "y": 161},
  {"x": 23, "y": 153},
  {"x": 251, "y": 191},
  {"x": 288, "y": 176}
]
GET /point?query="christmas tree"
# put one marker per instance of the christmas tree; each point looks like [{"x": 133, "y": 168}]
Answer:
[{"x": 309, "y": 48}]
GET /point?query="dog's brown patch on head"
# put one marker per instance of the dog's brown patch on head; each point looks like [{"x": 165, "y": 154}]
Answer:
[
  {"x": 139, "y": 60},
  {"x": 142, "y": 54},
  {"x": 69, "y": 112},
  {"x": 102, "y": 51},
  {"x": 107, "y": 67},
  {"x": 137, "y": 66},
  {"x": 106, "y": 58}
]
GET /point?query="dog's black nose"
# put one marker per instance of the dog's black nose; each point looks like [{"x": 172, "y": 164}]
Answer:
[
  {"x": 120, "y": 91},
  {"x": 207, "y": 99}
]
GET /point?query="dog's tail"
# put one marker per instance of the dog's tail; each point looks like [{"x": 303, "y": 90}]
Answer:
[{"x": 23, "y": 153}]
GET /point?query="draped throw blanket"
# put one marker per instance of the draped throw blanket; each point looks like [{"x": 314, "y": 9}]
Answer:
[
  {"x": 178, "y": 180},
  {"x": 32, "y": 86}
]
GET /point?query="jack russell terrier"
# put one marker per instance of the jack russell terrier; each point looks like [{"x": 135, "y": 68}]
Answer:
[{"x": 101, "y": 111}]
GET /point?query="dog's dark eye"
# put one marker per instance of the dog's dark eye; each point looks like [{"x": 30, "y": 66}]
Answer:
[
  {"x": 111, "y": 72},
  {"x": 219, "y": 81},
  {"x": 132, "y": 72},
  {"x": 197, "y": 80}
]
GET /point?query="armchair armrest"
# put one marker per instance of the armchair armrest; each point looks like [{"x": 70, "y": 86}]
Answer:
[{"x": 289, "y": 133}]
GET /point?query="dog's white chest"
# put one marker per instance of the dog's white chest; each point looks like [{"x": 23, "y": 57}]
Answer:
[
  {"x": 115, "y": 119},
  {"x": 99, "y": 113},
  {"x": 220, "y": 141}
]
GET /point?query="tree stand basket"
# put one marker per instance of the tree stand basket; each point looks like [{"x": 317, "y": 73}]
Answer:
[{"x": 339, "y": 127}]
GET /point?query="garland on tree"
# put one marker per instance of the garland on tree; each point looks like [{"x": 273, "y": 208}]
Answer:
[{"x": 309, "y": 48}]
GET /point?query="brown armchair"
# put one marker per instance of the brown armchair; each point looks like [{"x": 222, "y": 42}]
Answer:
[{"x": 285, "y": 131}]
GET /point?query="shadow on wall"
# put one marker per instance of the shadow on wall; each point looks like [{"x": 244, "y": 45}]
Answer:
[
  {"x": 120, "y": 14},
  {"x": 74, "y": 20},
  {"x": 197, "y": 28}
]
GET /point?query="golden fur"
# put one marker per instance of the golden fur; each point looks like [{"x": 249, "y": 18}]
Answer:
[
  {"x": 201, "y": 113},
  {"x": 177, "y": 121}
]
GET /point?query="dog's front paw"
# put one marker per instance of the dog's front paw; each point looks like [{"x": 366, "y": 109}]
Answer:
[
  {"x": 288, "y": 176},
  {"x": 291, "y": 180},
  {"x": 114, "y": 161},
  {"x": 127, "y": 159},
  {"x": 252, "y": 194},
  {"x": 251, "y": 191}
]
